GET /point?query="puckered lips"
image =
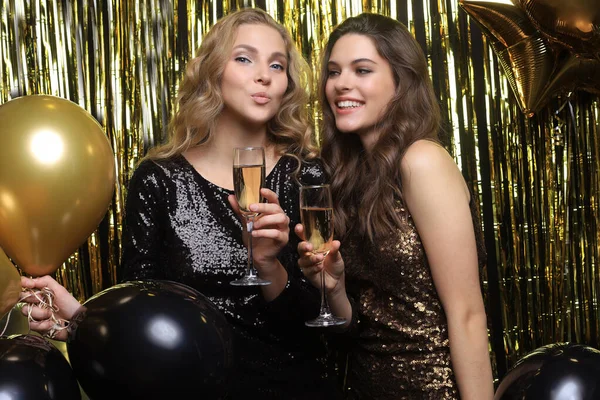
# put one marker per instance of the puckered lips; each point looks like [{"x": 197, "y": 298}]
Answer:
[{"x": 261, "y": 98}]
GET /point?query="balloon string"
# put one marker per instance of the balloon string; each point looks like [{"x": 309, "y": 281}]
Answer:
[
  {"x": 567, "y": 101},
  {"x": 45, "y": 301},
  {"x": 7, "y": 321}
]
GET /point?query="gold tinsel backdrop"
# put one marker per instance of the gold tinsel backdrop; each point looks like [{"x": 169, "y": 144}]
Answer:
[{"x": 536, "y": 178}]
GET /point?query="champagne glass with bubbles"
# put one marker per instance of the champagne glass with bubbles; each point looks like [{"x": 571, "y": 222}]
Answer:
[
  {"x": 248, "y": 179},
  {"x": 316, "y": 213}
]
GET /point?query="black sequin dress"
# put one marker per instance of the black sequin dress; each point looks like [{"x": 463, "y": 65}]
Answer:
[
  {"x": 398, "y": 346},
  {"x": 179, "y": 226}
]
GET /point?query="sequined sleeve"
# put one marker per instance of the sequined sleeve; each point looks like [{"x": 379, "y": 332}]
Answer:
[{"x": 142, "y": 235}]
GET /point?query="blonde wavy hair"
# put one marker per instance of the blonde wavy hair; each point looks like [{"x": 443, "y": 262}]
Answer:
[
  {"x": 365, "y": 186},
  {"x": 200, "y": 101}
]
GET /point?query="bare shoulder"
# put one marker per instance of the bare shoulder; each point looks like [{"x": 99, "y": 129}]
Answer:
[
  {"x": 425, "y": 156},
  {"x": 428, "y": 163}
]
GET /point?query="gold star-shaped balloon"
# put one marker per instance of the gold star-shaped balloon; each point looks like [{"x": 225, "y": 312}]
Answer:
[
  {"x": 545, "y": 47},
  {"x": 572, "y": 24}
]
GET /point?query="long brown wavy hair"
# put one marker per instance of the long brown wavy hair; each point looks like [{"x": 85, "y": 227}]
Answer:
[
  {"x": 366, "y": 185},
  {"x": 200, "y": 101}
]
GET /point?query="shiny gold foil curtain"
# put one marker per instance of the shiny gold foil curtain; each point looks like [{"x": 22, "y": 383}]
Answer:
[{"x": 536, "y": 180}]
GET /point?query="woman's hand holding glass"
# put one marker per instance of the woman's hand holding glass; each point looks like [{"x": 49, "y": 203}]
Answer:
[
  {"x": 331, "y": 268},
  {"x": 312, "y": 264},
  {"x": 270, "y": 232},
  {"x": 248, "y": 179},
  {"x": 316, "y": 213}
]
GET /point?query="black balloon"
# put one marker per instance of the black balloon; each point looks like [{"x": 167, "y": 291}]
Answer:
[
  {"x": 559, "y": 371},
  {"x": 150, "y": 340},
  {"x": 31, "y": 368}
]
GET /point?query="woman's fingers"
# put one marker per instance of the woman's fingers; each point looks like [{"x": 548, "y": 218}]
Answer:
[
  {"x": 270, "y": 196},
  {"x": 37, "y": 313},
  {"x": 271, "y": 215},
  {"x": 304, "y": 248},
  {"x": 266, "y": 209},
  {"x": 271, "y": 206},
  {"x": 46, "y": 281},
  {"x": 275, "y": 234},
  {"x": 49, "y": 329},
  {"x": 27, "y": 283},
  {"x": 299, "y": 230},
  {"x": 27, "y": 297},
  {"x": 39, "y": 283},
  {"x": 279, "y": 221},
  {"x": 308, "y": 260},
  {"x": 335, "y": 248},
  {"x": 41, "y": 327},
  {"x": 312, "y": 270}
]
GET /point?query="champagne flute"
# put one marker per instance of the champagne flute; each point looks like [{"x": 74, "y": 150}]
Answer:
[
  {"x": 248, "y": 178},
  {"x": 316, "y": 213}
]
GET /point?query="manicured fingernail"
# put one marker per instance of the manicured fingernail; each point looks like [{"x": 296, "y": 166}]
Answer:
[{"x": 253, "y": 207}]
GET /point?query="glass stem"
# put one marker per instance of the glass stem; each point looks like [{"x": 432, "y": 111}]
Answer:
[
  {"x": 324, "y": 305},
  {"x": 249, "y": 229}
]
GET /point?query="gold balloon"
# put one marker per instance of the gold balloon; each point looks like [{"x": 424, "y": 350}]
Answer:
[
  {"x": 15, "y": 322},
  {"x": 573, "y": 24},
  {"x": 574, "y": 73},
  {"x": 526, "y": 58},
  {"x": 537, "y": 69},
  {"x": 57, "y": 178},
  {"x": 10, "y": 285}
]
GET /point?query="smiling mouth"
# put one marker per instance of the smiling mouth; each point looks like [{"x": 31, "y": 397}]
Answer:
[{"x": 347, "y": 104}]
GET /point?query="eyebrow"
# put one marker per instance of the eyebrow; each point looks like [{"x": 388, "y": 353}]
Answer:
[
  {"x": 357, "y": 61},
  {"x": 254, "y": 50}
]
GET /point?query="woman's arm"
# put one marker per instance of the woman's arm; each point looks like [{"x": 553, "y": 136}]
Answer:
[
  {"x": 144, "y": 217},
  {"x": 438, "y": 200}
]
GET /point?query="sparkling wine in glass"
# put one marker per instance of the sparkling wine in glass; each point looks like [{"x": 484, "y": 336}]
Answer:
[
  {"x": 316, "y": 213},
  {"x": 248, "y": 179}
]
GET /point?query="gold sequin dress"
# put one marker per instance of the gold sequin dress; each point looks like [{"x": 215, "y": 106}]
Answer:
[{"x": 398, "y": 346}]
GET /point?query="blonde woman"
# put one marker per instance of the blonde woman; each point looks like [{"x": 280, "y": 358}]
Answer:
[{"x": 246, "y": 86}]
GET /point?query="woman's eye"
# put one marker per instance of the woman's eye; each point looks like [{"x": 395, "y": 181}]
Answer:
[
  {"x": 363, "y": 71},
  {"x": 333, "y": 73},
  {"x": 242, "y": 59},
  {"x": 278, "y": 67}
]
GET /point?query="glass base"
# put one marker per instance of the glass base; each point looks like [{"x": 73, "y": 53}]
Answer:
[
  {"x": 252, "y": 280},
  {"x": 325, "y": 320}
]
